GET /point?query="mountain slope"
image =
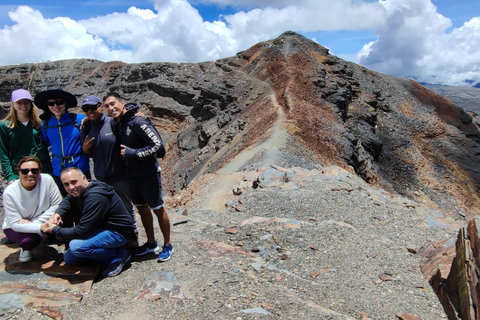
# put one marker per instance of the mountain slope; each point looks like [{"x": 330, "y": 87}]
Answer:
[{"x": 288, "y": 98}]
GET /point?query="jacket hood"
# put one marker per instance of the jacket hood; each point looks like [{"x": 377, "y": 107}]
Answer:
[{"x": 131, "y": 107}]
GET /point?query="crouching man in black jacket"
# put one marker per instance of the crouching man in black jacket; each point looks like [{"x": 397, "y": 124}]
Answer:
[{"x": 103, "y": 226}]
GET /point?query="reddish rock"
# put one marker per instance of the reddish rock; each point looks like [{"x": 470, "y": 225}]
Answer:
[
  {"x": 385, "y": 277},
  {"x": 231, "y": 230},
  {"x": 405, "y": 316}
]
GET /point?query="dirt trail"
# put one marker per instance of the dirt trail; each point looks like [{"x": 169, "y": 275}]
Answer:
[{"x": 229, "y": 177}]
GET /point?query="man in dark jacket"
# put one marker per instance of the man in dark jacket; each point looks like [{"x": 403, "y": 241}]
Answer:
[
  {"x": 103, "y": 225},
  {"x": 100, "y": 142},
  {"x": 140, "y": 143}
]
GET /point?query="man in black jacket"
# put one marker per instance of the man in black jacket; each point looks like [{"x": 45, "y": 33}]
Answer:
[
  {"x": 103, "y": 226},
  {"x": 140, "y": 144}
]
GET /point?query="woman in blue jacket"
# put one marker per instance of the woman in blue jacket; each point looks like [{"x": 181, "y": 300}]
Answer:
[{"x": 61, "y": 131}]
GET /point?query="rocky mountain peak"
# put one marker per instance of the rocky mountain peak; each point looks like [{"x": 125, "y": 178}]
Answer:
[{"x": 290, "y": 102}]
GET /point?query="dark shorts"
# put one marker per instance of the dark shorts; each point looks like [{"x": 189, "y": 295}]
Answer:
[{"x": 147, "y": 191}]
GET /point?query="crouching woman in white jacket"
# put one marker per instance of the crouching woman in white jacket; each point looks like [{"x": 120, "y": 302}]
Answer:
[{"x": 28, "y": 202}]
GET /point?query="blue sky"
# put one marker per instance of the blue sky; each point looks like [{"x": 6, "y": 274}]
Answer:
[{"x": 435, "y": 41}]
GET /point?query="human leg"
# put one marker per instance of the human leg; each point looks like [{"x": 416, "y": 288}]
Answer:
[
  {"x": 164, "y": 223},
  {"x": 123, "y": 191},
  {"x": 147, "y": 221},
  {"x": 103, "y": 246},
  {"x": 26, "y": 241}
]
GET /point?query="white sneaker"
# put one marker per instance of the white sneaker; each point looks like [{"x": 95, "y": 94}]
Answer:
[{"x": 25, "y": 256}]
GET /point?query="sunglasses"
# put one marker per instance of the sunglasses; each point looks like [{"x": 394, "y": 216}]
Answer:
[
  {"x": 89, "y": 107},
  {"x": 32, "y": 170},
  {"x": 58, "y": 103}
]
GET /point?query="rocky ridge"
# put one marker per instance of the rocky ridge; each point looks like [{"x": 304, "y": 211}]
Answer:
[
  {"x": 391, "y": 132},
  {"x": 292, "y": 178}
]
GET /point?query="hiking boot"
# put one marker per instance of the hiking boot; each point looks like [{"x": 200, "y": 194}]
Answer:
[
  {"x": 25, "y": 255},
  {"x": 146, "y": 248},
  {"x": 117, "y": 267},
  {"x": 166, "y": 253}
]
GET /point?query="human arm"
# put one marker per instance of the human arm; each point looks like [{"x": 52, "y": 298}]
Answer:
[
  {"x": 146, "y": 132},
  {"x": 94, "y": 211},
  {"x": 87, "y": 141},
  {"x": 8, "y": 170},
  {"x": 87, "y": 145},
  {"x": 51, "y": 191},
  {"x": 17, "y": 216}
]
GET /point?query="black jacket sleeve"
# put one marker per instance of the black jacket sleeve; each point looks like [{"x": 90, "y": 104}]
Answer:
[
  {"x": 145, "y": 130},
  {"x": 94, "y": 213}
]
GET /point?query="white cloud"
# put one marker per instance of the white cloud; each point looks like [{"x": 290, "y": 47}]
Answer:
[
  {"x": 410, "y": 34},
  {"x": 415, "y": 43}
]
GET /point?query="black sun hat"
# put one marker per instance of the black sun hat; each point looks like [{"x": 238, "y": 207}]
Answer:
[{"x": 41, "y": 98}]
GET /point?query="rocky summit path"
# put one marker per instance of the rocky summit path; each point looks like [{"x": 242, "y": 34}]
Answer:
[{"x": 288, "y": 243}]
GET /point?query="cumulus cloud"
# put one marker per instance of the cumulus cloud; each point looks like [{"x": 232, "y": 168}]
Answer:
[
  {"x": 409, "y": 33},
  {"x": 415, "y": 43}
]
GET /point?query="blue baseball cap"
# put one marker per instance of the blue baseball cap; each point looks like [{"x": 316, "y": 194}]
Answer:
[{"x": 91, "y": 101}]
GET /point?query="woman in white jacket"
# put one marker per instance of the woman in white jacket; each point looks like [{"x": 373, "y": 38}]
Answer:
[{"x": 28, "y": 202}]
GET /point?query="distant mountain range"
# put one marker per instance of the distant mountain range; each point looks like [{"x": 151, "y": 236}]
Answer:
[{"x": 467, "y": 98}]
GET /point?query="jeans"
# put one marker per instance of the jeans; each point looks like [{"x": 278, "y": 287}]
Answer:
[{"x": 104, "y": 246}]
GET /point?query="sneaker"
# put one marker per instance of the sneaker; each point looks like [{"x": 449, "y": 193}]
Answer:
[
  {"x": 166, "y": 253},
  {"x": 25, "y": 255},
  {"x": 116, "y": 268},
  {"x": 146, "y": 248}
]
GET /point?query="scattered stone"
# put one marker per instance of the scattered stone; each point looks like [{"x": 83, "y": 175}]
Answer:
[
  {"x": 50, "y": 312},
  {"x": 405, "y": 316},
  {"x": 176, "y": 223},
  {"x": 231, "y": 230},
  {"x": 252, "y": 220},
  {"x": 255, "y": 249},
  {"x": 411, "y": 249},
  {"x": 161, "y": 285},
  {"x": 257, "y": 310},
  {"x": 314, "y": 274},
  {"x": 239, "y": 208},
  {"x": 237, "y": 191},
  {"x": 223, "y": 224},
  {"x": 385, "y": 277}
]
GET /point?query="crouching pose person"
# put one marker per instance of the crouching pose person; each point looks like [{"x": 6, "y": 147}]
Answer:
[
  {"x": 103, "y": 226},
  {"x": 28, "y": 202}
]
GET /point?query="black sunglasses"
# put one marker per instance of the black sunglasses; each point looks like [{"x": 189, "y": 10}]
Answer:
[
  {"x": 57, "y": 102},
  {"x": 89, "y": 107},
  {"x": 32, "y": 170}
]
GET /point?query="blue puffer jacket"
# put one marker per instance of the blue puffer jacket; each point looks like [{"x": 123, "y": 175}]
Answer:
[
  {"x": 142, "y": 142},
  {"x": 66, "y": 143}
]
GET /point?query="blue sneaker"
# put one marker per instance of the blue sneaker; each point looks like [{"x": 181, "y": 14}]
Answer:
[
  {"x": 166, "y": 253},
  {"x": 146, "y": 248},
  {"x": 117, "y": 267}
]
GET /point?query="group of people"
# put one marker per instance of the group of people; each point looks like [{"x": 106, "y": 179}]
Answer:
[{"x": 50, "y": 193}]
